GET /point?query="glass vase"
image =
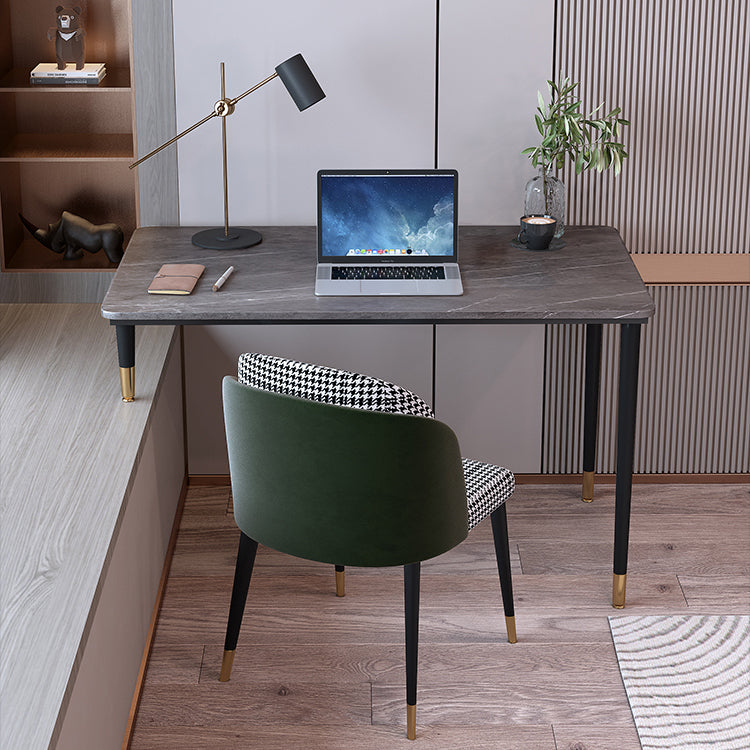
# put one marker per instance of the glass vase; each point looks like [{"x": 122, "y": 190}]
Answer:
[{"x": 545, "y": 194}]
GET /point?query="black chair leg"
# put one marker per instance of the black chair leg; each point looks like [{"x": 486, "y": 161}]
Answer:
[
  {"x": 502, "y": 552},
  {"x": 340, "y": 580},
  {"x": 411, "y": 617},
  {"x": 243, "y": 571}
]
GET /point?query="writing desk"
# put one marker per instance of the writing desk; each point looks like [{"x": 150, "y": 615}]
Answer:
[{"x": 590, "y": 280}]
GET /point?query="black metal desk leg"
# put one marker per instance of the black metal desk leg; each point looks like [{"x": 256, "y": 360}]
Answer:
[
  {"x": 591, "y": 407},
  {"x": 411, "y": 618},
  {"x": 630, "y": 338},
  {"x": 126, "y": 358}
]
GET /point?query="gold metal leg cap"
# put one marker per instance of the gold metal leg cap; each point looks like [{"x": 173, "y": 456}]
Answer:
[
  {"x": 411, "y": 722},
  {"x": 340, "y": 582},
  {"x": 618, "y": 590},
  {"x": 510, "y": 627},
  {"x": 127, "y": 383},
  {"x": 226, "y": 666},
  {"x": 587, "y": 491}
]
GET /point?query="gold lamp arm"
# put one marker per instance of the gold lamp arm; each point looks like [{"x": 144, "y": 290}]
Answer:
[
  {"x": 172, "y": 140},
  {"x": 250, "y": 91},
  {"x": 222, "y": 108}
]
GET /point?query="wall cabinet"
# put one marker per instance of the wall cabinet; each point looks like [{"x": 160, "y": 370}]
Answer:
[
  {"x": 68, "y": 148},
  {"x": 64, "y": 147}
]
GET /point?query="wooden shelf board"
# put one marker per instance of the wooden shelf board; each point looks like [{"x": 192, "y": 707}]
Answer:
[
  {"x": 31, "y": 256},
  {"x": 693, "y": 268},
  {"x": 17, "y": 80},
  {"x": 82, "y": 146}
]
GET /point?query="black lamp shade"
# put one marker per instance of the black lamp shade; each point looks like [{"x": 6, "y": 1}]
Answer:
[{"x": 300, "y": 82}]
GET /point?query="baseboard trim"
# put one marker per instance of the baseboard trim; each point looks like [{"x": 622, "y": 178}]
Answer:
[
  {"x": 637, "y": 478},
  {"x": 209, "y": 480},
  {"x": 222, "y": 480},
  {"x": 155, "y": 615}
]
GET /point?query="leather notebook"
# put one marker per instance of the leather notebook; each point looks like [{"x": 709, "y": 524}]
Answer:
[{"x": 176, "y": 278}]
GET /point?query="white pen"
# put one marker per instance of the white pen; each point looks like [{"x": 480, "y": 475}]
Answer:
[{"x": 220, "y": 282}]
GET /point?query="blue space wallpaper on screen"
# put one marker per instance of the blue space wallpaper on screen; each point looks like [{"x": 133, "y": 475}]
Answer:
[{"x": 372, "y": 212}]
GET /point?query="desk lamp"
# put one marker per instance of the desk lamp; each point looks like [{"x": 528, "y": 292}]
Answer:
[{"x": 304, "y": 90}]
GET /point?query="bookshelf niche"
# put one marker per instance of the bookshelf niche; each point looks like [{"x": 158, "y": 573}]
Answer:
[{"x": 64, "y": 146}]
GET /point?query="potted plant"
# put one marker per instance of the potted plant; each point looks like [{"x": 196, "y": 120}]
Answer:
[{"x": 591, "y": 141}]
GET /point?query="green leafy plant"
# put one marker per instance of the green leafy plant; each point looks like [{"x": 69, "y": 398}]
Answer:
[{"x": 590, "y": 141}]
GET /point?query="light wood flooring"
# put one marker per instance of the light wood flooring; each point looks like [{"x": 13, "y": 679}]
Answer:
[{"x": 316, "y": 671}]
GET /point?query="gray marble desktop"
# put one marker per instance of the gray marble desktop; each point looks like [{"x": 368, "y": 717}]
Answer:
[{"x": 591, "y": 279}]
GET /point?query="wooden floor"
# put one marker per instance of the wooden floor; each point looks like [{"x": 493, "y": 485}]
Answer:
[{"x": 316, "y": 671}]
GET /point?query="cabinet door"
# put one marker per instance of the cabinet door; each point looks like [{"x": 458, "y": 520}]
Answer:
[
  {"x": 401, "y": 354},
  {"x": 488, "y": 388}
]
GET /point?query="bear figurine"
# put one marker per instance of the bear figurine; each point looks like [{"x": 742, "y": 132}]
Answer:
[{"x": 68, "y": 36}]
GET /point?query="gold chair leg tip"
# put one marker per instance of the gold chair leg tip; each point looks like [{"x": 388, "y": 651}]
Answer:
[
  {"x": 411, "y": 722},
  {"x": 340, "y": 583},
  {"x": 510, "y": 627},
  {"x": 226, "y": 666}
]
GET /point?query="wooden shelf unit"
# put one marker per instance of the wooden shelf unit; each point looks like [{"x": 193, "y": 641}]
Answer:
[{"x": 64, "y": 147}]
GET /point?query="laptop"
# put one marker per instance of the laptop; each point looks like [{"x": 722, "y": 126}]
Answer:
[{"x": 387, "y": 232}]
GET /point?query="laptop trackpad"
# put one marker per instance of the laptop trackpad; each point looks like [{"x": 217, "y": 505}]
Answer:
[{"x": 392, "y": 286}]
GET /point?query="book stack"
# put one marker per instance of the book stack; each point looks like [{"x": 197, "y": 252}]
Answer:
[{"x": 48, "y": 74}]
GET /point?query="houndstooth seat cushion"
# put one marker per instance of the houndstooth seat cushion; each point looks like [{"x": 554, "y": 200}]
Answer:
[{"x": 487, "y": 486}]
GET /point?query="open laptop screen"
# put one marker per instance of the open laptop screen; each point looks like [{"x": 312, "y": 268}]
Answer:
[{"x": 387, "y": 216}]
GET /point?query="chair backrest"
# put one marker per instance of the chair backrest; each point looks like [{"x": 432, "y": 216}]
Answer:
[
  {"x": 340, "y": 484},
  {"x": 329, "y": 385}
]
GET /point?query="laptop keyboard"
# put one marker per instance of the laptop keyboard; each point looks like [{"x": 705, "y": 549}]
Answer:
[{"x": 387, "y": 272}]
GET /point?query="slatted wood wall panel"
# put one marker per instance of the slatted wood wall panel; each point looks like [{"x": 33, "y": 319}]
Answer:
[
  {"x": 679, "y": 71},
  {"x": 693, "y": 400}
]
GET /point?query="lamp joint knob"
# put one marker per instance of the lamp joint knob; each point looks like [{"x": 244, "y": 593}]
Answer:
[{"x": 223, "y": 107}]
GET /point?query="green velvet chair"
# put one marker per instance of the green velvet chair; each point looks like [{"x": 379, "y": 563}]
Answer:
[{"x": 346, "y": 469}]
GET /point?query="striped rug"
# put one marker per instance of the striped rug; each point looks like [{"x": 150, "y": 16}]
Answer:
[{"x": 687, "y": 678}]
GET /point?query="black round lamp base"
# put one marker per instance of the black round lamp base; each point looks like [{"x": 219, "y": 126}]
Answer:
[{"x": 236, "y": 239}]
